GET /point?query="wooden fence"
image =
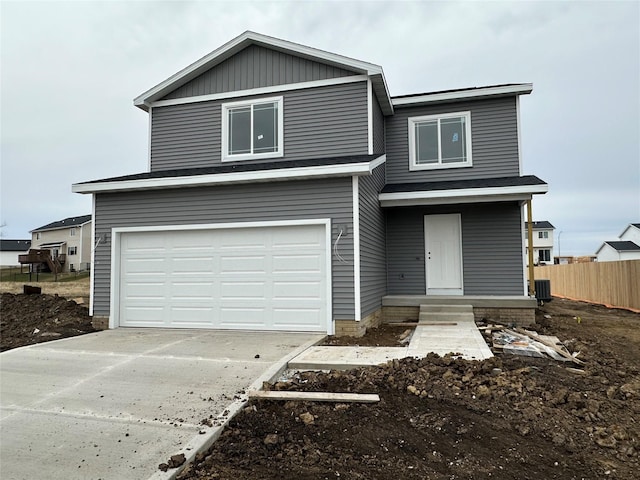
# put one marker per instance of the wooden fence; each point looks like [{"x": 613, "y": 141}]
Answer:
[{"x": 611, "y": 283}]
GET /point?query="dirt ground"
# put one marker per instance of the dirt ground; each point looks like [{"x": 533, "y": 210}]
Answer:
[
  {"x": 381, "y": 336},
  {"x": 30, "y": 319},
  {"x": 442, "y": 418}
]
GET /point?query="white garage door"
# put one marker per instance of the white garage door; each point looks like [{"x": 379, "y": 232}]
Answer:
[{"x": 263, "y": 278}]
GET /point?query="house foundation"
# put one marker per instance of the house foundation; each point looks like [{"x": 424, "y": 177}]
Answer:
[
  {"x": 506, "y": 310},
  {"x": 351, "y": 328}
]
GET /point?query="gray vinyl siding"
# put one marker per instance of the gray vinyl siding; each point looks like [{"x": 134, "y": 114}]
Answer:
[
  {"x": 378, "y": 127},
  {"x": 494, "y": 136},
  {"x": 319, "y": 122},
  {"x": 330, "y": 198},
  {"x": 491, "y": 248},
  {"x": 256, "y": 67},
  {"x": 373, "y": 261}
]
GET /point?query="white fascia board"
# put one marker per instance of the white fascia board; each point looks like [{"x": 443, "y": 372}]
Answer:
[
  {"x": 466, "y": 195},
  {"x": 521, "y": 89},
  {"x": 235, "y": 45},
  {"x": 260, "y": 91},
  {"x": 301, "y": 173}
]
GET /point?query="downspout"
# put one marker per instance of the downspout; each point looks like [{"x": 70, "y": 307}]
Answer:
[{"x": 532, "y": 288}]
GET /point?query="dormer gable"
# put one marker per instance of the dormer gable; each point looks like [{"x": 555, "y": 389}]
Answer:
[{"x": 252, "y": 61}]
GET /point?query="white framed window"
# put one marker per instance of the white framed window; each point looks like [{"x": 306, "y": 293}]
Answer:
[
  {"x": 72, "y": 232},
  {"x": 252, "y": 129},
  {"x": 543, "y": 234},
  {"x": 72, "y": 251},
  {"x": 440, "y": 141},
  {"x": 37, "y": 236}
]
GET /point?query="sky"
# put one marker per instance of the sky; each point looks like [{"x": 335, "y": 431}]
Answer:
[{"x": 70, "y": 71}]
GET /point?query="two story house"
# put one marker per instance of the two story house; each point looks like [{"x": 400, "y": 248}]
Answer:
[
  {"x": 542, "y": 242},
  {"x": 63, "y": 245},
  {"x": 287, "y": 190}
]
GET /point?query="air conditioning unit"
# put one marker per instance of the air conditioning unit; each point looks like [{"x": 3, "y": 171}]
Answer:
[{"x": 543, "y": 290}]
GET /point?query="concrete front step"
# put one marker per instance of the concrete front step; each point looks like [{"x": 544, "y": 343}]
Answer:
[
  {"x": 446, "y": 308},
  {"x": 445, "y": 317}
]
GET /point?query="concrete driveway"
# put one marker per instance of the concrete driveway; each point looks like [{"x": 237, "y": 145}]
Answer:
[{"x": 115, "y": 404}]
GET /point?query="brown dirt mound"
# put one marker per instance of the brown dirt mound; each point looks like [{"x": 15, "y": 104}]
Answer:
[
  {"x": 443, "y": 418},
  {"x": 30, "y": 319}
]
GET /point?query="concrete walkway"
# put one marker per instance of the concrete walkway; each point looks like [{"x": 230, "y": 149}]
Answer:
[
  {"x": 441, "y": 333},
  {"x": 115, "y": 404}
]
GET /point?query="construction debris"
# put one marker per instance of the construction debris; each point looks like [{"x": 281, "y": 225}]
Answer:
[
  {"x": 529, "y": 344},
  {"x": 315, "y": 396}
]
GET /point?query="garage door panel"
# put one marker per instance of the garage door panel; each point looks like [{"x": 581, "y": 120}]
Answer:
[
  {"x": 258, "y": 278},
  {"x": 311, "y": 291},
  {"x": 242, "y": 291},
  {"x": 297, "y": 264},
  {"x": 237, "y": 264},
  {"x": 191, "y": 315}
]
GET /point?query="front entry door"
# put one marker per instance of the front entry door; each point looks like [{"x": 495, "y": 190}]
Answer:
[{"x": 443, "y": 254}]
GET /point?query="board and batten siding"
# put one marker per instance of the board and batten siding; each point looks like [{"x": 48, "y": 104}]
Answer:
[
  {"x": 257, "y": 67},
  {"x": 491, "y": 248},
  {"x": 373, "y": 258},
  {"x": 319, "y": 122},
  {"x": 378, "y": 127},
  {"x": 274, "y": 201},
  {"x": 494, "y": 137}
]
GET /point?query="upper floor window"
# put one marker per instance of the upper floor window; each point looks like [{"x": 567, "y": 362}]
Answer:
[
  {"x": 440, "y": 141},
  {"x": 252, "y": 130},
  {"x": 543, "y": 234},
  {"x": 72, "y": 232},
  {"x": 37, "y": 235}
]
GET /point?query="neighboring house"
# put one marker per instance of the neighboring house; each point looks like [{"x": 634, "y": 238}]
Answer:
[
  {"x": 542, "y": 243},
  {"x": 627, "y": 247},
  {"x": 10, "y": 249},
  {"x": 287, "y": 190},
  {"x": 631, "y": 233},
  {"x": 68, "y": 241},
  {"x": 618, "y": 250}
]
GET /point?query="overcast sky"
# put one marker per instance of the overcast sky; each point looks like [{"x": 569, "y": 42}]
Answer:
[{"x": 70, "y": 71}]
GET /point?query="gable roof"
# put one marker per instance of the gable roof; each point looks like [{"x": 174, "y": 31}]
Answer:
[
  {"x": 541, "y": 225},
  {"x": 622, "y": 246},
  {"x": 66, "y": 223},
  {"x": 14, "y": 245},
  {"x": 248, "y": 38},
  {"x": 631, "y": 225}
]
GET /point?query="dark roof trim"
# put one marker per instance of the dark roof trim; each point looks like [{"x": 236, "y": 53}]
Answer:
[
  {"x": 474, "y": 93},
  {"x": 541, "y": 225},
  {"x": 462, "y": 191},
  {"x": 7, "y": 245},
  {"x": 463, "y": 184},
  {"x": 66, "y": 223},
  {"x": 623, "y": 246},
  {"x": 237, "y": 173}
]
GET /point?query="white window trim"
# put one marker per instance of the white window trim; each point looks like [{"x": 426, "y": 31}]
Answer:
[
  {"x": 414, "y": 166},
  {"x": 251, "y": 156}
]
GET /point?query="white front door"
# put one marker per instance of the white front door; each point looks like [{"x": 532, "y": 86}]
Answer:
[{"x": 443, "y": 254}]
